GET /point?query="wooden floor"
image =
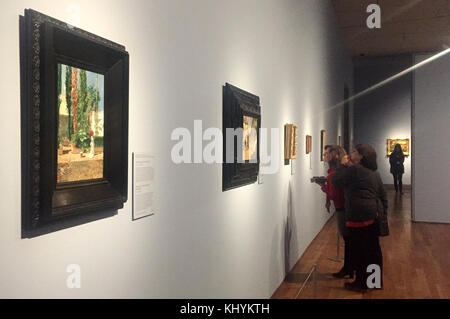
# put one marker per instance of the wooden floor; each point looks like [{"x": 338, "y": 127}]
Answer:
[{"x": 416, "y": 260}]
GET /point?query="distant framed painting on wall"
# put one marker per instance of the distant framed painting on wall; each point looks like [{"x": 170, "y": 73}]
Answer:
[
  {"x": 74, "y": 125},
  {"x": 308, "y": 144},
  {"x": 242, "y": 114},
  {"x": 339, "y": 141},
  {"x": 323, "y": 143},
  {"x": 404, "y": 143},
  {"x": 290, "y": 141}
]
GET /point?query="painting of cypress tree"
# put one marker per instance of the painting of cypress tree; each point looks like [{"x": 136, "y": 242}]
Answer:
[
  {"x": 68, "y": 86},
  {"x": 81, "y": 114},
  {"x": 82, "y": 102}
]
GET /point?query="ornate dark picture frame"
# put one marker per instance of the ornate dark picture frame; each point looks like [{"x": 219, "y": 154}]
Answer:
[
  {"x": 238, "y": 103},
  {"x": 47, "y": 205}
]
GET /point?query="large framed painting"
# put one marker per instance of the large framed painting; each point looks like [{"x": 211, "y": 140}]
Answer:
[
  {"x": 323, "y": 143},
  {"x": 74, "y": 118},
  {"x": 308, "y": 144},
  {"x": 241, "y": 125},
  {"x": 290, "y": 141},
  {"x": 404, "y": 143}
]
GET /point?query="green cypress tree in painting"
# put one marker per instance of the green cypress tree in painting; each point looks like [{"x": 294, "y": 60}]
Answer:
[
  {"x": 94, "y": 98},
  {"x": 83, "y": 102},
  {"x": 68, "y": 85},
  {"x": 93, "y": 101}
]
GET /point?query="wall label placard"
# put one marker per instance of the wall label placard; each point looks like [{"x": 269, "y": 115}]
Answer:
[{"x": 143, "y": 185}]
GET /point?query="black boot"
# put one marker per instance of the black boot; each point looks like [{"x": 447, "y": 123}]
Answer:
[
  {"x": 343, "y": 273},
  {"x": 359, "y": 284}
]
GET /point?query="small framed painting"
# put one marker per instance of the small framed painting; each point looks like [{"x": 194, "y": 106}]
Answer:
[
  {"x": 404, "y": 144},
  {"x": 290, "y": 141},
  {"x": 323, "y": 143},
  {"x": 241, "y": 118},
  {"x": 308, "y": 144}
]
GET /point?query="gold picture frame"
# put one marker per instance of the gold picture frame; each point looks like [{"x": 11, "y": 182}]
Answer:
[
  {"x": 290, "y": 141},
  {"x": 404, "y": 143},
  {"x": 308, "y": 144}
]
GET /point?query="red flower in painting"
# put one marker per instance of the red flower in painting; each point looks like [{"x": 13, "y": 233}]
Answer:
[{"x": 91, "y": 133}]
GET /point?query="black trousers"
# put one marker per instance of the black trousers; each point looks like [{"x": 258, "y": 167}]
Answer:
[
  {"x": 365, "y": 250},
  {"x": 343, "y": 231},
  {"x": 398, "y": 181},
  {"x": 348, "y": 264}
]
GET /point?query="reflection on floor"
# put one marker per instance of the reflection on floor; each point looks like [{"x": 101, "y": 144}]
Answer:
[{"x": 416, "y": 260}]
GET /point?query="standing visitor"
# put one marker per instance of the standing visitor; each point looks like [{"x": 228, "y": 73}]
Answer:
[
  {"x": 333, "y": 155},
  {"x": 357, "y": 177},
  {"x": 396, "y": 160}
]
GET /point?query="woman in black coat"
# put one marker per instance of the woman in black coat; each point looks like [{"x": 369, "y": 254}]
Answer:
[
  {"x": 396, "y": 160},
  {"x": 362, "y": 197}
]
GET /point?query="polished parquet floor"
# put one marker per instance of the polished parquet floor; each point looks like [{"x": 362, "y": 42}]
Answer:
[{"x": 416, "y": 260}]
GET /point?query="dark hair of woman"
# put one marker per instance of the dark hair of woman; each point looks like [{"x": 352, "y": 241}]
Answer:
[
  {"x": 337, "y": 153},
  {"x": 369, "y": 156},
  {"x": 398, "y": 149}
]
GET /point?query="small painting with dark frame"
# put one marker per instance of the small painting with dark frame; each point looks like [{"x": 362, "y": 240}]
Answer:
[
  {"x": 241, "y": 124},
  {"x": 74, "y": 125},
  {"x": 323, "y": 143}
]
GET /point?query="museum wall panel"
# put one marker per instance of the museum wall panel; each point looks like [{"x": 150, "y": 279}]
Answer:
[
  {"x": 431, "y": 116},
  {"x": 201, "y": 242}
]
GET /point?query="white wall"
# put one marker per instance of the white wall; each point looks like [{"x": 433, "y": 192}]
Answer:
[
  {"x": 431, "y": 133},
  {"x": 202, "y": 242},
  {"x": 385, "y": 112}
]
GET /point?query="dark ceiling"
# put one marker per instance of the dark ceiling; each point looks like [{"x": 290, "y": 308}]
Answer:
[{"x": 407, "y": 26}]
